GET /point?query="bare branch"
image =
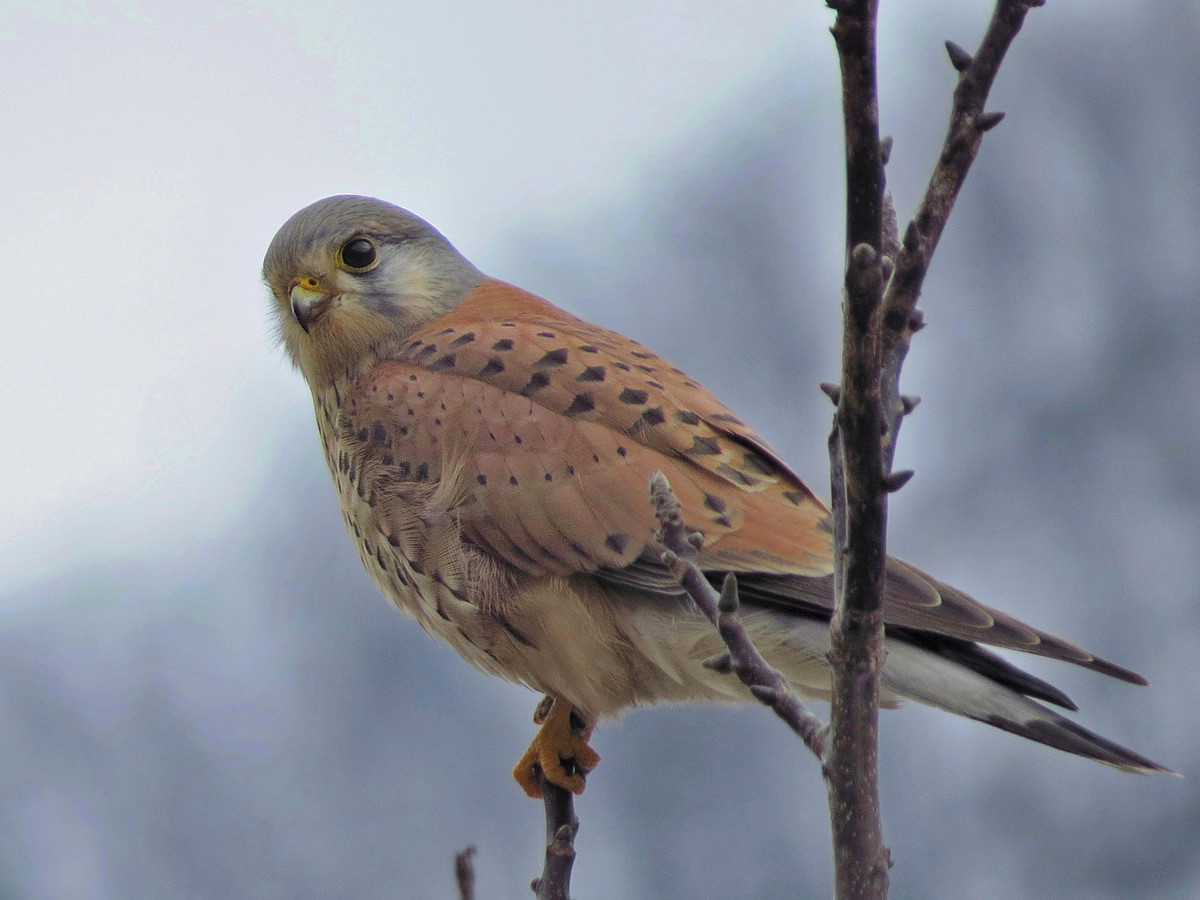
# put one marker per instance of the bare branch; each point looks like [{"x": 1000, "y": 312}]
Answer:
[
  {"x": 858, "y": 467},
  {"x": 464, "y": 873},
  {"x": 562, "y": 825},
  {"x": 878, "y": 328},
  {"x": 742, "y": 658},
  {"x": 968, "y": 123}
]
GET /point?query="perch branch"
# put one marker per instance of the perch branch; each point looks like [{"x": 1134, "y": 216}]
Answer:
[
  {"x": 562, "y": 825},
  {"x": 857, "y": 467},
  {"x": 742, "y": 657}
]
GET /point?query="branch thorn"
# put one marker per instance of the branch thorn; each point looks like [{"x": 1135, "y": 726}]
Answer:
[
  {"x": 909, "y": 402},
  {"x": 893, "y": 481},
  {"x": 832, "y": 390},
  {"x": 988, "y": 120},
  {"x": 729, "y": 594},
  {"x": 959, "y": 58},
  {"x": 722, "y": 663}
]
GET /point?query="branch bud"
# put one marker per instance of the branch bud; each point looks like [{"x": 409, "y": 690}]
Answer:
[
  {"x": 912, "y": 237},
  {"x": 729, "y": 594},
  {"x": 988, "y": 120},
  {"x": 959, "y": 58},
  {"x": 863, "y": 255},
  {"x": 832, "y": 390},
  {"x": 722, "y": 663},
  {"x": 893, "y": 481}
]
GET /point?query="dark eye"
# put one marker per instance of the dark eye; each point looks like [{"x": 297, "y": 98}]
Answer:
[{"x": 358, "y": 254}]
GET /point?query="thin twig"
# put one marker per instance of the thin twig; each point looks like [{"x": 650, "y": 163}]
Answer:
[
  {"x": 742, "y": 657},
  {"x": 464, "y": 873},
  {"x": 968, "y": 124},
  {"x": 562, "y": 825}
]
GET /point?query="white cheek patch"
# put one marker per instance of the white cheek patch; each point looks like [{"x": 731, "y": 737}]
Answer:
[{"x": 409, "y": 270}]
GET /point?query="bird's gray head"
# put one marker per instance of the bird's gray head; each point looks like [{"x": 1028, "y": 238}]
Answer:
[{"x": 348, "y": 274}]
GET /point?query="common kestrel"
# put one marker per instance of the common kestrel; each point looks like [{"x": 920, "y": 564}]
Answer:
[{"x": 492, "y": 454}]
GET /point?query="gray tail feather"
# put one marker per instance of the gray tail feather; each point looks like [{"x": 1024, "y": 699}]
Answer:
[
  {"x": 959, "y": 687},
  {"x": 1060, "y": 733}
]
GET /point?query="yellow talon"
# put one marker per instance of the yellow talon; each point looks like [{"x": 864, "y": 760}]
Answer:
[{"x": 560, "y": 750}]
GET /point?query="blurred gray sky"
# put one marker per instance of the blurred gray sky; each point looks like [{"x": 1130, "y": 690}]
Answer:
[{"x": 202, "y": 696}]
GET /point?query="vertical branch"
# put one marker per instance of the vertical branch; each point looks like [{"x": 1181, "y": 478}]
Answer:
[
  {"x": 877, "y": 331},
  {"x": 561, "y": 827},
  {"x": 857, "y": 465},
  {"x": 854, "y": 33}
]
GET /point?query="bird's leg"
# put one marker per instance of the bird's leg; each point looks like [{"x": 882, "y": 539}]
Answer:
[{"x": 560, "y": 749}]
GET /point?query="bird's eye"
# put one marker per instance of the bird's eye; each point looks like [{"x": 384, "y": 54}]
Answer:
[{"x": 358, "y": 254}]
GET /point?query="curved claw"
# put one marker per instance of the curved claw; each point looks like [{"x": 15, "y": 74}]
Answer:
[{"x": 560, "y": 750}]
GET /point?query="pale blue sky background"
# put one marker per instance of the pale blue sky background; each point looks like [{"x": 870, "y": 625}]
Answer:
[{"x": 200, "y": 694}]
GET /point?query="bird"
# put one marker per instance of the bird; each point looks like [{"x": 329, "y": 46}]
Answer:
[{"x": 492, "y": 454}]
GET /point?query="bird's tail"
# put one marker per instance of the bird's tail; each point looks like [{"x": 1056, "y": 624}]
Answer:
[{"x": 928, "y": 678}]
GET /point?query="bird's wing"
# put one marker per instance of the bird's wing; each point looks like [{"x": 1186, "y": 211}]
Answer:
[
  {"x": 551, "y": 490},
  {"x": 549, "y": 428},
  {"x": 581, "y": 417}
]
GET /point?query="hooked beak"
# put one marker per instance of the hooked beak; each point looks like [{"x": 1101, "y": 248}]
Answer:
[{"x": 309, "y": 302}]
